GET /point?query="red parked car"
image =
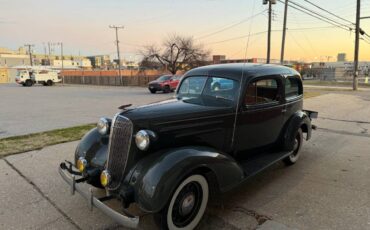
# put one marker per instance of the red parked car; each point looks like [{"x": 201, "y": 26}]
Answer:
[{"x": 165, "y": 83}]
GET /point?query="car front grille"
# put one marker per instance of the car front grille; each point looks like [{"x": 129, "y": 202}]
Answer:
[
  {"x": 155, "y": 85},
  {"x": 118, "y": 150}
]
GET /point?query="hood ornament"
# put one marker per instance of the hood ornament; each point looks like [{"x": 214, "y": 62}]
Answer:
[{"x": 124, "y": 106}]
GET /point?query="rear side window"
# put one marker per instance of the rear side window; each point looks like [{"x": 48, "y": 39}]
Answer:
[
  {"x": 293, "y": 87},
  {"x": 262, "y": 92}
]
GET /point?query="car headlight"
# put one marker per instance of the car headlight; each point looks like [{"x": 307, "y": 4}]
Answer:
[
  {"x": 142, "y": 140},
  {"x": 105, "y": 178},
  {"x": 103, "y": 126},
  {"x": 81, "y": 164}
]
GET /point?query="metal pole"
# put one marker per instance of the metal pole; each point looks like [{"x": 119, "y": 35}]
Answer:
[
  {"x": 284, "y": 33},
  {"x": 357, "y": 46},
  {"x": 269, "y": 33}
]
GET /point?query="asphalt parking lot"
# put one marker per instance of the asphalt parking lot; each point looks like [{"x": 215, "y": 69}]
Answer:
[
  {"x": 327, "y": 189},
  {"x": 38, "y": 108}
]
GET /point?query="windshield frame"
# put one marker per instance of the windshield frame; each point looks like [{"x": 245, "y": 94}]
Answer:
[{"x": 233, "y": 103}]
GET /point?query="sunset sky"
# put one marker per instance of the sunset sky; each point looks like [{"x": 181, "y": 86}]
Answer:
[{"x": 82, "y": 26}]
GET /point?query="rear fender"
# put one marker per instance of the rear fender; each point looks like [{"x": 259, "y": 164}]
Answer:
[
  {"x": 155, "y": 177},
  {"x": 298, "y": 120}
]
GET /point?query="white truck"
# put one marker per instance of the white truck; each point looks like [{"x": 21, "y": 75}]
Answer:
[{"x": 29, "y": 77}]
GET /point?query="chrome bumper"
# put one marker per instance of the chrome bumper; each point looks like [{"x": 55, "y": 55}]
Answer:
[{"x": 130, "y": 222}]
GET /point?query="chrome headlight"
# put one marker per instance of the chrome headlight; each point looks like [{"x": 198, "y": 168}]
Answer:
[
  {"x": 142, "y": 140},
  {"x": 103, "y": 126}
]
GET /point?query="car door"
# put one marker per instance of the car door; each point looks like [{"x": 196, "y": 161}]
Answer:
[
  {"x": 173, "y": 82},
  {"x": 293, "y": 92},
  {"x": 262, "y": 113}
]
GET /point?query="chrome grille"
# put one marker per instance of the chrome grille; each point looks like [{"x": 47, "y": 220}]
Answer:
[{"x": 118, "y": 150}]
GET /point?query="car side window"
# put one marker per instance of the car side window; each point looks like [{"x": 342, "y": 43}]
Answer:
[
  {"x": 293, "y": 87},
  {"x": 262, "y": 92}
]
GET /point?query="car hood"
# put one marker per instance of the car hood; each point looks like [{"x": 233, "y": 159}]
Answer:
[
  {"x": 155, "y": 82},
  {"x": 173, "y": 110}
]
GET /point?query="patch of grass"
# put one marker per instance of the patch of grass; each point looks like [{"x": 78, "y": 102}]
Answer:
[
  {"x": 309, "y": 94},
  {"x": 35, "y": 141}
]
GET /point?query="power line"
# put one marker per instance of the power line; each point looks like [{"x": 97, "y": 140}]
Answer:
[
  {"x": 327, "y": 11},
  {"x": 318, "y": 14},
  {"x": 312, "y": 28},
  {"x": 347, "y": 28},
  {"x": 240, "y": 37},
  {"x": 262, "y": 32},
  {"x": 230, "y": 26},
  {"x": 249, "y": 33}
]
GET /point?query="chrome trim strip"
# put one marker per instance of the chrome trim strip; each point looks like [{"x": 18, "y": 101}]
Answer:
[{"x": 130, "y": 222}]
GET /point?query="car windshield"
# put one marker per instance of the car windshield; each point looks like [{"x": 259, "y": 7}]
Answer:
[
  {"x": 164, "y": 78},
  {"x": 209, "y": 91}
]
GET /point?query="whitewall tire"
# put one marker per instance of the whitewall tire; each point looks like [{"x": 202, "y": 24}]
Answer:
[{"x": 187, "y": 205}]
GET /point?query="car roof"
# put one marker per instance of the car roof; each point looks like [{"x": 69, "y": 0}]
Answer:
[{"x": 236, "y": 70}]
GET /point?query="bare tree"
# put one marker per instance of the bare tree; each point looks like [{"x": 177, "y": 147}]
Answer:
[{"x": 176, "y": 53}]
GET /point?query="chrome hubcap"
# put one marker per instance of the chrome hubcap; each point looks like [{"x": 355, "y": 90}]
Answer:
[{"x": 187, "y": 204}]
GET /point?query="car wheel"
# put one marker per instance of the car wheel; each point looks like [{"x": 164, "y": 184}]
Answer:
[
  {"x": 44, "y": 84},
  {"x": 187, "y": 205},
  {"x": 153, "y": 90},
  {"x": 166, "y": 89},
  {"x": 49, "y": 82},
  {"x": 295, "y": 153},
  {"x": 28, "y": 83}
]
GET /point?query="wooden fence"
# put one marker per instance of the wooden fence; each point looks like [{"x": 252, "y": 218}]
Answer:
[{"x": 110, "y": 77}]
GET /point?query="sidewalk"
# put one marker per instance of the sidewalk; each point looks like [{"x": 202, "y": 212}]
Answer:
[{"x": 334, "y": 87}]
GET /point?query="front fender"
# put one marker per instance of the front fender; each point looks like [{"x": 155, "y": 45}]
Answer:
[
  {"x": 298, "y": 120},
  {"x": 93, "y": 147},
  {"x": 155, "y": 177}
]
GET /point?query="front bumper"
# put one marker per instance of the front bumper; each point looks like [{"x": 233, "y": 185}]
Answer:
[
  {"x": 130, "y": 222},
  {"x": 156, "y": 87}
]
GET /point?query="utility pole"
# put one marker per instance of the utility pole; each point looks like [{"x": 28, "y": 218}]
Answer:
[
  {"x": 30, "y": 52},
  {"x": 43, "y": 44},
  {"x": 269, "y": 2},
  {"x": 118, "y": 54},
  {"x": 284, "y": 32},
  {"x": 49, "y": 53},
  {"x": 357, "y": 45},
  {"x": 61, "y": 58}
]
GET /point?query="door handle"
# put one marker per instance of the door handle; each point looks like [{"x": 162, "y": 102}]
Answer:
[{"x": 283, "y": 110}]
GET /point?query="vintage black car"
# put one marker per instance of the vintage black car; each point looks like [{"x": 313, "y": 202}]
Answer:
[{"x": 169, "y": 157}]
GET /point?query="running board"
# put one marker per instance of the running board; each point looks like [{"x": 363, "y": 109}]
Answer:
[{"x": 259, "y": 162}]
